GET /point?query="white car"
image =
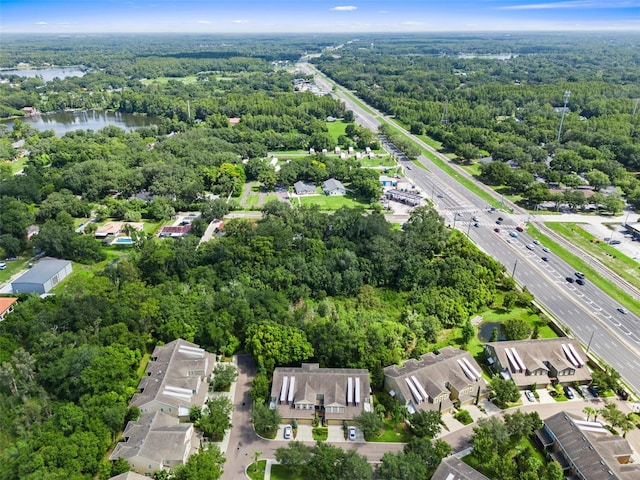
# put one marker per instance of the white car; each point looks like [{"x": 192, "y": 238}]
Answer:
[
  {"x": 3, "y": 265},
  {"x": 288, "y": 432},
  {"x": 530, "y": 396},
  {"x": 352, "y": 433}
]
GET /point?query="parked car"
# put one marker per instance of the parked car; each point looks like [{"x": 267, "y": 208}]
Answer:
[
  {"x": 530, "y": 396},
  {"x": 593, "y": 390},
  {"x": 568, "y": 392},
  {"x": 352, "y": 433},
  {"x": 3, "y": 265},
  {"x": 288, "y": 432}
]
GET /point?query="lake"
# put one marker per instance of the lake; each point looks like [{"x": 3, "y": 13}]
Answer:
[
  {"x": 63, "y": 122},
  {"x": 46, "y": 74}
]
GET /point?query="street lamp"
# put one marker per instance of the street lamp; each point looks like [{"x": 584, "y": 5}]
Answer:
[
  {"x": 513, "y": 273},
  {"x": 469, "y": 230},
  {"x": 589, "y": 344}
]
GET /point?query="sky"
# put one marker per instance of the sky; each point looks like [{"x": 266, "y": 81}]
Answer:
[{"x": 315, "y": 16}]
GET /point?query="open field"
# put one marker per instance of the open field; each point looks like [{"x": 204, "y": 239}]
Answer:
[
  {"x": 336, "y": 128},
  {"x": 331, "y": 203},
  {"x": 164, "y": 80}
]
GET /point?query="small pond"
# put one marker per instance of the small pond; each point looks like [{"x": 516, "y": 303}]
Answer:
[{"x": 486, "y": 329}]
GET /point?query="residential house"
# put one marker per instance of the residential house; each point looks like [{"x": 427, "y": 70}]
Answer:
[
  {"x": 438, "y": 381},
  {"x": 175, "y": 231},
  {"x": 113, "y": 229},
  {"x": 177, "y": 379},
  {"x": 129, "y": 476},
  {"x": 539, "y": 362},
  {"x": 333, "y": 187},
  {"x": 332, "y": 394},
  {"x": 43, "y": 276},
  {"x": 6, "y": 306},
  {"x": 586, "y": 450},
  {"x": 452, "y": 468},
  {"x": 155, "y": 442},
  {"x": 302, "y": 188},
  {"x": 32, "y": 230}
]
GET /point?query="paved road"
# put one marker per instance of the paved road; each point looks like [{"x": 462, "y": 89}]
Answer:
[{"x": 587, "y": 311}]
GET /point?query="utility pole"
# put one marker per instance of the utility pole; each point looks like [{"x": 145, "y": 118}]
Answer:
[
  {"x": 564, "y": 110},
  {"x": 513, "y": 273},
  {"x": 589, "y": 344}
]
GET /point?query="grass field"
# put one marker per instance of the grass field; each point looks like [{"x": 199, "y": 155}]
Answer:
[
  {"x": 393, "y": 433},
  {"x": 257, "y": 473},
  {"x": 252, "y": 200},
  {"x": 18, "y": 164},
  {"x": 164, "y": 80},
  {"x": 13, "y": 267},
  {"x": 385, "y": 161},
  {"x": 278, "y": 472},
  {"x": 331, "y": 203},
  {"x": 336, "y": 128}
]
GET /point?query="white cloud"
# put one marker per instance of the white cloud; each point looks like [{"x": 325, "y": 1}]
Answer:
[
  {"x": 42, "y": 23},
  {"x": 413, "y": 24},
  {"x": 205, "y": 22},
  {"x": 345, "y": 8},
  {"x": 241, "y": 21},
  {"x": 573, "y": 4}
]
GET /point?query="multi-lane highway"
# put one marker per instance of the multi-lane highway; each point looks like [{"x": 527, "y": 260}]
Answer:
[{"x": 590, "y": 314}]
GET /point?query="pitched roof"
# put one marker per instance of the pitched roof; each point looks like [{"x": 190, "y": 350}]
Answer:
[
  {"x": 332, "y": 184},
  {"x": 42, "y": 271},
  {"x": 156, "y": 437},
  {"x": 6, "y": 302},
  {"x": 452, "y": 468},
  {"x": 592, "y": 449},
  {"x": 543, "y": 354},
  {"x": 435, "y": 375},
  {"x": 301, "y": 187},
  {"x": 175, "y": 375},
  {"x": 129, "y": 476}
]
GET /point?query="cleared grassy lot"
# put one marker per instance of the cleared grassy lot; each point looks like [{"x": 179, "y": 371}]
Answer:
[
  {"x": 164, "y": 80},
  {"x": 332, "y": 203}
]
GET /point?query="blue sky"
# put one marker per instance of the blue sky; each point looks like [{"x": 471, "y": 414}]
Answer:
[{"x": 324, "y": 16}]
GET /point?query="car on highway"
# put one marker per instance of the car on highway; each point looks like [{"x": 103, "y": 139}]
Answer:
[
  {"x": 545, "y": 259},
  {"x": 622, "y": 310},
  {"x": 475, "y": 219},
  {"x": 408, "y": 167},
  {"x": 537, "y": 242},
  {"x": 514, "y": 234},
  {"x": 3, "y": 265},
  {"x": 500, "y": 218},
  {"x": 498, "y": 222},
  {"x": 568, "y": 392},
  {"x": 580, "y": 281},
  {"x": 530, "y": 246},
  {"x": 570, "y": 279},
  {"x": 288, "y": 432},
  {"x": 497, "y": 230},
  {"x": 530, "y": 396},
  {"x": 545, "y": 249},
  {"x": 352, "y": 433},
  {"x": 477, "y": 225},
  {"x": 579, "y": 274},
  {"x": 615, "y": 242},
  {"x": 519, "y": 228},
  {"x": 440, "y": 195}
]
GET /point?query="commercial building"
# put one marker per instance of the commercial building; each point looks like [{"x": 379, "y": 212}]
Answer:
[{"x": 42, "y": 277}]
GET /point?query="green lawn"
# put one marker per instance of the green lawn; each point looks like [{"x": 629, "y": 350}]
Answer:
[
  {"x": 336, "y": 128},
  {"x": 257, "y": 473},
  {"x": 385, "y": 161},
  {"x": 278, "y": 472},
  {"x": 13, "y": 267},
  {"x": 18, "y": 164},
  {"x": 252, "y": 200},
  {"x": 164, "y": 80},
  {"x": 326, "y": 202},
  {"x": 392, "y": 433}
]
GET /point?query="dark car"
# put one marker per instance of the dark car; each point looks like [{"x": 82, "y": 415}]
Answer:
[
  {"x": 593, "y": 390},
  {"x": 570, "y": 279},
  {"x": 499, "y": 222},
  {"x": 622, "y": 310},
  {"x": 545, "y": 259},
  {"x": 568, "y": 392},
  {"x": 497, "y": 230},
  {"x": 500, "y": 218},
  {"x": 579, "y": 274},
  {"x": 580, "y": 281},
  {"x": 519, "y": 228},
  {"x": 477, "y": 225}
]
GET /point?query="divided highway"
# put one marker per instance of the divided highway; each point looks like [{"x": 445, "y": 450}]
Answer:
[{"x": 591, "y": 315}]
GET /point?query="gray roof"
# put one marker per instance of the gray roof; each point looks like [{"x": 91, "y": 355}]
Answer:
[
  {"x": 129, "y": 476},
  {"x": 541, "y": 355},
  {"x": 157, "y": 437},
  {"x": 174, "y": 372},
  {"x": 311, "y": 380},
  {"x": 332, "y": 184},
  {"x": 42, "y": 271},
  {"x": 437, "y": 374},
  {"x": 301, "y": 187},
  {"x": 452, "y": 468},
  {"x": 595, "y": 452}
]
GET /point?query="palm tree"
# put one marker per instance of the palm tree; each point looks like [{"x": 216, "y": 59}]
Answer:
[
  {"x": 256, "y": 456},
  {"x": 588, "y": 411}
]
